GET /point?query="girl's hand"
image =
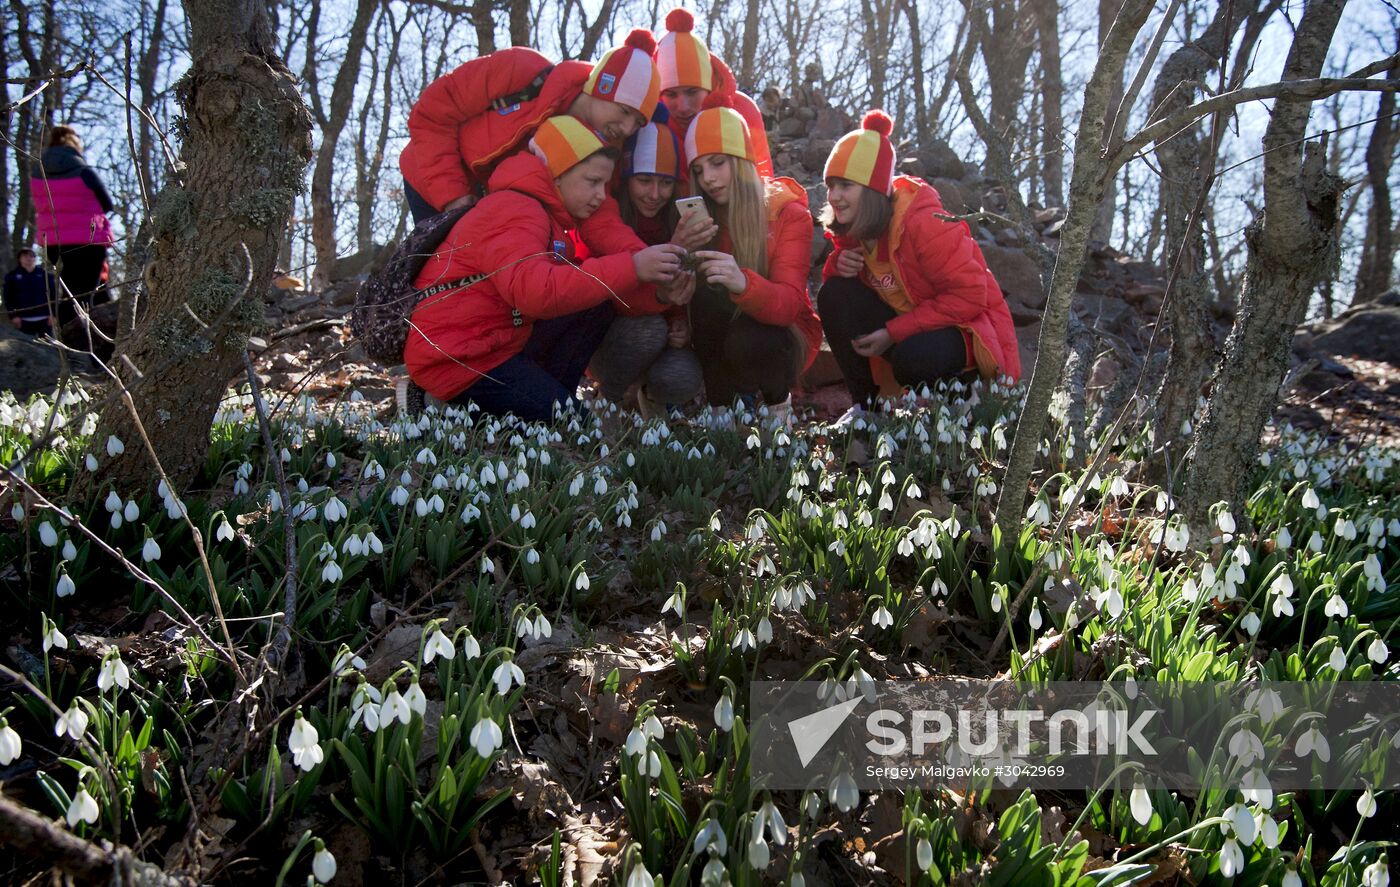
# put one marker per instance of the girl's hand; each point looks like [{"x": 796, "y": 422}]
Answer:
[
  {"x": 849, "y": 262},
  {"x": 873, "y": 344},
  {"x": 657, "y": 264},
  {"x": 721, "y": 268},
  {"x": 679, "y": 291},
  {"x": 677, "y": 331},
  {"x": 694, "y": 231}
]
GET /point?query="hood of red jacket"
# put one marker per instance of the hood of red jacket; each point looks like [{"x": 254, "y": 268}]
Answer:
[{"x": 526, "y": 174}]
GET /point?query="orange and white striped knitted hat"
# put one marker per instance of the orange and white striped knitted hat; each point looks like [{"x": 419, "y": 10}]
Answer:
[
  {"x": 718, "y": 130},
  {"x": 652, "y": 150},
  {"x": 562, "y": 142},
  {"x": 627, "y": 75},
  {"x": 682, "y": 58},
  {"x": 865, "y": 156}
]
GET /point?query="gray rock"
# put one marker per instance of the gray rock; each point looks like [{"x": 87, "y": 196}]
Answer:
[
  {"x": 939, "y": 161},
  {"x": 29, "y": 365},
  {"x": 831, "y": 123},
  {"x": 1102, "y": 312},
  {"x": 814, "y": 158},
  {"x": 952, "y": 195},
  {"x": 792, "y": 128},
  {"x": 1371, "y": 333},
  {"x": 1016, "y": 273}
]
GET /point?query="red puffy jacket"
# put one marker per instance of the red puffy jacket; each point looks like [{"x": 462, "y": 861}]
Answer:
[
  {"x": 725, "y": 85},
  {"x": 941, "y": 269},
  {"x": 781, "y": 298},
  {"x": 519, "y": 234}
]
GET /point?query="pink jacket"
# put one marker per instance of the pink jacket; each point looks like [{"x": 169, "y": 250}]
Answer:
[{"x": 70, "y": 202}]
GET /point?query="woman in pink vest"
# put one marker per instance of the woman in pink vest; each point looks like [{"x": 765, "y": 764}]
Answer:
[{"x": 70, "y": 207}]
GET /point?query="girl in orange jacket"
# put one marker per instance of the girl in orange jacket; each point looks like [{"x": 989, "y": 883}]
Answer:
[
  {"x": 751, "y": 318},
  {"x": 904, "y": 285}
]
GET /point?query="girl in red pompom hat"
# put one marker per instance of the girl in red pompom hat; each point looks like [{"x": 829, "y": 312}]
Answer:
[
  {"x": 905, "y": 293},
  {"x": 693, "y": 78}
]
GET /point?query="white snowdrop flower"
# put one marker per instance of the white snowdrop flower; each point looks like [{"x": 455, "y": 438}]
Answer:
[
  {"x": 1377, "y": 874},
  {"x": 395, "y": 707},
  {"x": 1315, "y": 542},
  {"x": 1344, "y": 528},
  {"x": 113, "y": 502},
  {"x": 764, "y": 632},
  {"x": 65, "y": 585},
  {"x": 73, "y": 722},
  {"x": 1378, "y": 652},
  {"x": 304, "y": 744},
  {"x": 600, "y": 486},
  {"x": 323, "y": 866},
  {"x": 471, "y": 648},
  {"x": 1231, "y": 859},
  {"x": 334, "y": 509},
  {"x": 346, "y": 662},
  {"x": 658, "y": 530},
  {"x": 332, "y": 573},
  {"x": 53, "y": 637},
  {"x": 1366, "y": 805},
  {"x": 1250, "y": 623},
  {"x": 837, "y": 548},
  {"x": 1337, "y": 661},
  {"x": 150, "y": 551},
  {"x": 1036, "y": 620},
  {"x": 421, "y": 507},
  {"x": 426, "y": 457},
  {"x": 1311, "y": 741},
  {"x": 10, "y": 744},
  {"x": 843, "y": 792},
  {"x": 636, "y": 743},
  {"x": 114, "y": 446},
  {"x": 1118, "y": 486},
  {"x": 48, "y": 535},
  {"x": 1256, "y": 789},
  {"x": 1241, "y": 822},
  {"x": 486, "y": 737},
  {"x": 1283, "y": 540},
  {"x": 1140, "y": 804},
  {"x": 113, "y": 672},
  {"x": 225, "y": 532},
  {"x": 755, "y": 530},
  {"x": 1291, "y": 878},
  {"x": 90, "y": 462},
  {"x": 882, "y": 618},
  {"x": 1246, "y": 747},
  {"x": 639, "y": 876},
  {"x": 1267, "y": 829},
  {"x": 1310, "y": 499},
  {"x": 724, "y": 713},
  {"x": 437, "y": 645},
  {"x": 1039, "y": 513},
  {"x": 743, "y": 641},
  {"x": 82, "y": 808},
  {"x": 415, "y": 698},
  {"x": 372, "y": 544},
  {"x": 527, "y": 520},
  {"x": 1336, "y": 607},
  {"x": 542, "y": 627},
  {"x": 399, "y": 497},
  {"x": 675, "y": 604},
  {"x": 886, "y": 503},
  {"x": 1226, "y": 522},
  {"x": 505, "y": 674},
  {"x": 131, "y": 512},
  {"x": 581, "y": 582}
]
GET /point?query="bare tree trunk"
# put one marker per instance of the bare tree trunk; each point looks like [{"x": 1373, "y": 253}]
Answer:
[
  {"x": 593, "y": 34},
  {"x": 35, "y": 115},
  {"x": 322, "y": 203},
  {"x": 922, "y": 126},
  {"x": 876, "y": 20},
  {"x": 1103, "y": 218},
  {"x": 6, "y": 115},
  {"x": 1291, "y": 247},
  {"x": 1088, "y": 181},
  {"x": 520, "y": 24},
  {"x": 1006, "y": 49},
  {"x": 485, "y": 24},
  {"x": 1047, "y": 14},
  {"x": 1187, "y": 171},
  {"x": 146, "y": 71},
  {"x": 1378, "y": 251},
  {"x": 370, "y": 161},
  {"x": 247, "y": 140},
  {"x": 749, "y": 48}
]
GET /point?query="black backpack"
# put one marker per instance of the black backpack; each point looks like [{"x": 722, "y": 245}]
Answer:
[{"x": 384, "y": 303}]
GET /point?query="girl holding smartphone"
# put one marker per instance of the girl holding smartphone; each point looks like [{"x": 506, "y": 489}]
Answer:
[{"x": 752, "y": 321}]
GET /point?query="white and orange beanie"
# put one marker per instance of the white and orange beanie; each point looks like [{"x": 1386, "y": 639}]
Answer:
[
  {"x": 627, "y": 75},
  {"x": 682, "y": 59},
  {"x": 719, "y": 129},
  {"x": 866, "y": 155},
  {"x": 562, "y": 142}
]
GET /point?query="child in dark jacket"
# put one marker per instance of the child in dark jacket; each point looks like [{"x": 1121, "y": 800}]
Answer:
[
  {"x": 517, "y": 341},
  {"x": 30, "y": 294}
]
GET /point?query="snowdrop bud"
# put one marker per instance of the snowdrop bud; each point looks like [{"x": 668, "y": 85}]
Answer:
[
  {"x": 323, "y": 863},
  {"x": 65, "y": 586},
  {"x": 114, "y": 446}
]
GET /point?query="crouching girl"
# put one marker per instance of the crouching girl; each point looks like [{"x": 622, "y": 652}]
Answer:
[
  {"x": 903, "y": 284},
  {"x": 653, "y": 350},
  {"x": 516, "y": 334},
  {"x": 752, "y": 322}
]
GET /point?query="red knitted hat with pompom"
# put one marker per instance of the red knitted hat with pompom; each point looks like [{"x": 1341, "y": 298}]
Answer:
[
  {"x": 627, "y": 75},
  {"x": 866, "y": 155},
  {"x": 682, "y": 59}
]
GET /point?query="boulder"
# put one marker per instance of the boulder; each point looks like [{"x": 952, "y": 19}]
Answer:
[
  {"x": 356, "y": 263},
  {"x": 831, "y": 123},
  {"x": 1102, "y": 312},
  {"x": 792, "y": 128},
  {"x": 29, "y": 365},
  {"x": 1371, "y": 333},
  {"x": 104, "y": 318},
  {"x": 938, "y": 160},
  {"x": 1016, "y": 273},
  {"x": 951, "y": 193},
  {"x": 814, "y": 158}
]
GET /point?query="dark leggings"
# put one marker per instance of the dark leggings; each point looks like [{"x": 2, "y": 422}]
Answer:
[
  {"x": 738, "y": 355},
  {"x": 849, "y": 309}
]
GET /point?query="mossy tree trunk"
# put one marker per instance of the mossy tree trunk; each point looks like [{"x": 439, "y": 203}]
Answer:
[
  {"x": 1292, "y": 247},
  {"x": 214, "y": 232}
]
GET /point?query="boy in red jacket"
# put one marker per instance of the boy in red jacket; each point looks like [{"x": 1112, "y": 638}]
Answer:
[
  {"x": 467, "y": 121},
  {"x": 517, "y": 341}
]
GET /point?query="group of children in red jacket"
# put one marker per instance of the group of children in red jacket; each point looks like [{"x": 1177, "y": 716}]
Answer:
[{"x": 572, "y": 173}]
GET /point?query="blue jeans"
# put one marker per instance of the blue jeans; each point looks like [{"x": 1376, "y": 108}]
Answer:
[{"x": 547, "y": 371}]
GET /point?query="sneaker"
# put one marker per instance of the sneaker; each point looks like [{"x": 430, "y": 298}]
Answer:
[
  {"x": 649, "y": 408},
  {"x": 409, "y": 398},
  {"x": 855, "y": 416},
  {"x": 782, "y": 412}
]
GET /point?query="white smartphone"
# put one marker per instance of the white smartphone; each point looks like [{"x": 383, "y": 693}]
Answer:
[{"x": 688, "y": 206}]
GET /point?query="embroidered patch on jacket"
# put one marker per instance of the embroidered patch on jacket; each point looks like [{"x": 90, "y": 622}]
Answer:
[
  {"x": 561, "y": 251},
  {"x": 509, "y": 109},
  {"x": 606, "y": 83}
]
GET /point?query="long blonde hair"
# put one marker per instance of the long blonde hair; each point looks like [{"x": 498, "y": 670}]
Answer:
[{"x": 746, "y": 215}]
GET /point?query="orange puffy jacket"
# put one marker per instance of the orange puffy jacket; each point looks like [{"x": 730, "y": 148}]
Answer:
[
  {"x": 941, "y": 269},
  {"x": 519, "y": 234},
  {"x": 725, "y": 85},
  {"x": 781, "y": 297}
]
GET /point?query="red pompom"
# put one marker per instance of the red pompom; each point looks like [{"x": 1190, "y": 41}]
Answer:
[
  {"x": 642, "y": 39},
  {"x": 878, "y": 121},
  {"x": 680, "y": 20}
]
